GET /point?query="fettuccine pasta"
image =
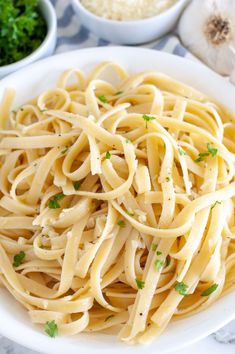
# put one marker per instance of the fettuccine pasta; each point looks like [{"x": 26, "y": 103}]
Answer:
[{"x": 116, "y": 203}]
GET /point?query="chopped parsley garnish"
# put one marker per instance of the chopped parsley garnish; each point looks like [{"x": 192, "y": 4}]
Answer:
[
  {"x": 108, "y": 318},
  {"x": 210, "y": 290},
  {"x": 107, "y": 155},
  {"x": 154, "y": 247},
  {"x": 158, "y": 264},
  {"x": 211, "y": 151},
  {"x": 18, "y": 259},
  {"x": 140, "y": 284},
  {"x": 181, "y": 152},
  {"x": 121, "y": 223},
  {"x": 130, "y": 214},
  {"x": 147, "y": 119},
  {"x": 65, "y": 150},
  {"x": 182, "y": 288},
  {"x": 102, "y": 98},
  {"x": 51, "y": 329},
  {"x": 53, "y": 203},
  {"x": 76, "y": 185},
  {"x": 159, "y": 253},
  {"x": 118, "y": 93},
  {"x": 128, "y": 141},
  {"x": 217, "y": 202},
  {"x": 22, "y": 29},
  {"x": 168, "y": 179},
  {"x": 43, "y": 110}
]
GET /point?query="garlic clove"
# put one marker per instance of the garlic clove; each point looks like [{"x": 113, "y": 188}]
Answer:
[{"x": 207, "y": 28}]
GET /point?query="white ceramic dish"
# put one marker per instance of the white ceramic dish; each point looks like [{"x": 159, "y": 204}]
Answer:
[
  {"x": 46, "y": 48},
  {"x": 130, "y": 32},
  {"x": 39, "y": 76}
]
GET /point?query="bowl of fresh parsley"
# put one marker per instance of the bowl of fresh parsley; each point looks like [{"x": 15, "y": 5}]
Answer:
[{"x": 27, "y": 33}]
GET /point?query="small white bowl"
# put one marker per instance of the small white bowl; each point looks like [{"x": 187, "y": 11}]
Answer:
[
  {"x": 46, "y": 48},
  {"x": 130, "y": 32}
]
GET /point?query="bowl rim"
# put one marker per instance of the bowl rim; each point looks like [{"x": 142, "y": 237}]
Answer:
[
  {"x": 165, "y": 13},
  {"x": 51, "y": 30},
  {"x": 207, "y": 322}
]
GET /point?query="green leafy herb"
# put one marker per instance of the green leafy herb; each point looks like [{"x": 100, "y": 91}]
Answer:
[
  {"x": 118, "y": 93},
  {"x": 107, "y": 155},
  {"x": 147, "y": 119},
  {"x": 159, "y": 253},
  {"x": 212, "y": 151},
  {"x": 182, "y": 288},
  {"x": 43, "y": 110},
  {"x": 140, "y": 284},
  {"x": 65, "y": 150},
  {"x": 121, "y": 223},
  {"x": 51, "y": 329},
  {"x": 18, "y": 259},
  {"x": 128, "y": 141},
  {"x": 53, "y": 203},
  {"x": 102, "y": 98},
  {"x": 217, "y": 202},
  {"x": 130, "y": 214},
  {"x": 181, "y": 152},
  {"x": 154, "y": 247},
  {"x": 108, "y": 318},
  {"x": 22, "y": 29},
  {"x": 210, "y": 290},
  {"x": 168, "y": 179},
  {"x": 76, "y": 185},
  {"x": 201, "y": 156},
  {"x": 158, "y": 264}
]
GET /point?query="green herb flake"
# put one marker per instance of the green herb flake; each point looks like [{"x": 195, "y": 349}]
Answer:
[
  {"x": 103, "y": 99},
  {"x": 53, "y": 203},
  {"x": 107, "y": 155},
  {"x": 51, "y": 329},
  {"x": 22, "y": 29},
  {"x": 167, "y": 262},
  {"x": 108, "y": 318},
  {"x": 158, "y": 264},
  {"x": 182, "y": 288},
  {"x": 128, "y": 141},
  {"x": 217, "y": 202},
  {"x": 76, "y": 185},
  {"x": 154, "y": 247},
  {"x": 201, "y": 156},
  {"x": 140, "y": 284},
  {"x": 121, "y": 223},
  {"x": 181, "y": 152},
  {"x": 212, "y": 151},
  {"x": 158, "y": 253},
  {"x": 130, "y": 214},
  {"x": 18, "y": 259},
  {"x": 65, "y": 150},
  {"x": 118, "y": 93},
  {"x": 147, "y": 119},
  {"x": 210, "y": 290},
  {"x": 168, "y": 179}
]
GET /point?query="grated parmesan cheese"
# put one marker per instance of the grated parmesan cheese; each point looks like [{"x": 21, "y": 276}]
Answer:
[{"x": 127, "y": 10}]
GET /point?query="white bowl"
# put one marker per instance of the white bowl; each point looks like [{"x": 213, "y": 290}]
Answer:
[
  {"x": 130, "y": 32},
  {"x": 46, "y": 48},
  {"x": 29, "y": 82}
]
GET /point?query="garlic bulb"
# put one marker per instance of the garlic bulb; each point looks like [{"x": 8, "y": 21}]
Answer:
[{"x": 207, "y": 28}]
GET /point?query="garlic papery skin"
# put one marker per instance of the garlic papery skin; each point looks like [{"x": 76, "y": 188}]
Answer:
[{"x": 207, "y": 29}]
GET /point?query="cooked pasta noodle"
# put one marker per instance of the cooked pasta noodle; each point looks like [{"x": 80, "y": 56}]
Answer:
[{"x": 116, "y": 202}]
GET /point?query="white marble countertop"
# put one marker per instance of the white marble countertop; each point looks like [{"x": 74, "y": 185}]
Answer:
[{"x": 221, "y": 342}]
